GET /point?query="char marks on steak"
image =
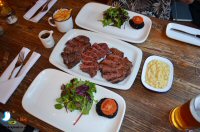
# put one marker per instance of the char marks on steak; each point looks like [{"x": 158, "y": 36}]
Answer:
[
  {"x": 115, "y": 67},
  {"x": 117, "y": 52},
  {"x": 73, "y": 50},
  {"x": 91, "y": 56}
]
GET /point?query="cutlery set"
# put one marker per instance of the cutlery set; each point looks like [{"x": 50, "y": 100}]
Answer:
[
  {"x": 15, "y": 73},
  {"x": 43, "y": 8},
  {"x": 40, "y": 8},
  {"x": 19, "y": 67},
  {"x": 19, "y": 63},
  {"x": 185, "y": 32}
]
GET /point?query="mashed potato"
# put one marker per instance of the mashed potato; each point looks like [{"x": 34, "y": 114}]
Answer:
[{"x": 157, "y": 74}]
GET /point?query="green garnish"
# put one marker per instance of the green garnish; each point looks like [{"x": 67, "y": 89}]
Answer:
[
  {"x": 77, "y": 95},
  {"x": 114, "y": 16}
]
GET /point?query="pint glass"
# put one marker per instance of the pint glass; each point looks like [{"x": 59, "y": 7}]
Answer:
[{"x": 186, "y": 116}]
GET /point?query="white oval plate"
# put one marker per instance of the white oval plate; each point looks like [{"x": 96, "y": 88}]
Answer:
[
  {"x": 40, "y": 98},
  {"x": 171, "y": 67},
  {"x": 90, "y": 15},
  {"x": 133, "y": 53}
]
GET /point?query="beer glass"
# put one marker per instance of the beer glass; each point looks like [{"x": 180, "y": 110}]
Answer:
[{"x": 187, "y": 116}]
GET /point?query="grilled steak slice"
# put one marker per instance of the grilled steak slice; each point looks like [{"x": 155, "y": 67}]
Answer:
[
  {"x": 68, "y": 58},
  {"x": 114, "y": 58},
  {"x": 107, "y": 68},
  {"x": 75, "y": 45},
  {"x": 119, "y": 79},
  {"x": 86, "y": 57},
  {"x": 113, "y": 75},
  {"x": 115, "y": 67},
  {"x": 105, "y": 47},
  {"x": 97, "y": 51},
  {"x": 91, "y": 56},
  {"x": 91, "y": 53},
  {"x": 82, "y": 38},
  {"x": 90, "y": 68},
  {"x": 110, "y": 63},
  {"x": 73, "y": 50},
  {"x": 117, "y": 52}
]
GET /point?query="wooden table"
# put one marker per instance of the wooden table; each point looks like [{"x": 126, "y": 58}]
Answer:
[{"x": 145, "y": 110}]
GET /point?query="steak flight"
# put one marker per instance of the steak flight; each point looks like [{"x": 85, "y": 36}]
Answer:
[{"x": 114, "y": 67}]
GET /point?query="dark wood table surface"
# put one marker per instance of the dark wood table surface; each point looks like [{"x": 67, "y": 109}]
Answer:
[{"x": 146, "y": 111}]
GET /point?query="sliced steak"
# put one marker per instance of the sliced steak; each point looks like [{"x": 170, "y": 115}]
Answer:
[
  {"x": 107, "y": 69},
  {"x": 117, "y": 52},
  {"x": 110, "y": 63},
  {"x": 105, "y": 47},
  {"x": 82, "y": 38},
  {"x": 113, "y": 75},
  {"x": 73, "y": 50},
  {"x": 91, "y": 56},
  {"x": 86, "y": 57},
  {"x": 69, "y": 58},
  {"x": 114, "y": 58},
  {"x": 119, "y": 79},
  {"x": 90, "y": 68},
  {"x": 115, "y": 67}
]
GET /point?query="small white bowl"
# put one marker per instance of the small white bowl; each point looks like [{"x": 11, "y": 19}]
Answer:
[{"x": 171, "y": 68}]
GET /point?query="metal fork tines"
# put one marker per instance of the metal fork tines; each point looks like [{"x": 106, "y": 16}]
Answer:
[{"x": 18, "y": 63}]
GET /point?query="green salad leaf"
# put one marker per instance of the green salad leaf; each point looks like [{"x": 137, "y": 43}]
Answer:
[
  {"x": 115, "y": 16},
  {"x": 77, "y": 95}
]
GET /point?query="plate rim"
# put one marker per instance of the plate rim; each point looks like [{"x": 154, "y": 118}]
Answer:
[
  {"x": 128, "y": 40},
  {"x": 25, "y": 107},
  {"x": 108, "y": 84}
]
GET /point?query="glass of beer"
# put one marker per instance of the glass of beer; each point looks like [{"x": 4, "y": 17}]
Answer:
[{"x": 187, "y": 116}]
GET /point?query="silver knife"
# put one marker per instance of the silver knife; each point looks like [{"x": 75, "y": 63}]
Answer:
[{"x": 184, "y": 32}]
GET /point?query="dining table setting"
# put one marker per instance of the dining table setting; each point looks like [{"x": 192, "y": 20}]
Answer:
[{"x": 67, "y": 66}]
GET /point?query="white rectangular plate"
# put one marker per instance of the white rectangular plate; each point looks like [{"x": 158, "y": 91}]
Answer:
[
  {"x": 90, "y": 15},
  {"x": 40, "y": 98},
  {"x": 133, "y": 53},
  {"x": 182, "y": 36}
]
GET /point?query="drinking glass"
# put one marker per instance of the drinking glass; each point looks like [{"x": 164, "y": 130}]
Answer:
[{"x": 187, "y": 116}]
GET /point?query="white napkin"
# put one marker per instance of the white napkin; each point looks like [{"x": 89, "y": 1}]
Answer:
[
  {"x": 7, "y": 87},
  {"x": 37, "y": 5},
  {"x": 6, "y": 74}
]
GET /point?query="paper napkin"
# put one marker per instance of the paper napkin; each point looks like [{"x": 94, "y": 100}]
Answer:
[
  {"x": 7, "y": 87},
  {"x": 37, "y": 5}
]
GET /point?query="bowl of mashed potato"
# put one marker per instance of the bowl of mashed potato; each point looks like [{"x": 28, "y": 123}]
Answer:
[{"x": 157, "y": 74}]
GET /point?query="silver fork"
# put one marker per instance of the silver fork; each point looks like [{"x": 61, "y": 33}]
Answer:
[
  {"x": 19, "y": 62},
  {"x": 45, "y": 6}
]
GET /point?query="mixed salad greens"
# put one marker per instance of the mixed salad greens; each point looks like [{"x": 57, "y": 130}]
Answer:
[
  {"x": 77, "y": 95},
  {"x": 115, "y": 16}
]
